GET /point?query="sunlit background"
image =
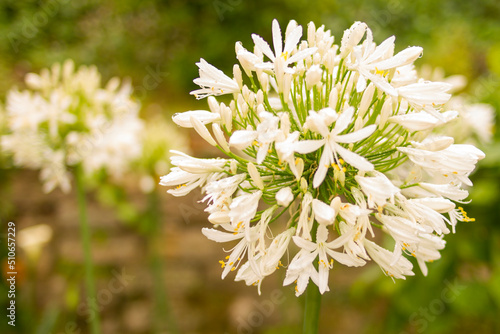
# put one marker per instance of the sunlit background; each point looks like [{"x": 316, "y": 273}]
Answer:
[{"x": 156, "y": 272}]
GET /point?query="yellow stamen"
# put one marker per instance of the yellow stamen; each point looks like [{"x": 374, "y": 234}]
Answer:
[{"x": 464, "y": 214}]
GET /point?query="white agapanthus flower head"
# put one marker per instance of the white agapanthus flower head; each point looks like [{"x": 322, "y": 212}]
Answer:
[
  {"x": 65, "y": 118},
  {"x": 338, "y": 139}
]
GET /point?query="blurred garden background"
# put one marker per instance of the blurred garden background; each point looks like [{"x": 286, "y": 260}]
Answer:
[{"x": 155, "y": 271}]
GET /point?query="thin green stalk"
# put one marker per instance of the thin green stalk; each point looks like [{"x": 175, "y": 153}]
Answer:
[
  {"x": 85, "y": 235},
  {"x": 312, "y": 308},
  {"x": 163, "y": 313}
]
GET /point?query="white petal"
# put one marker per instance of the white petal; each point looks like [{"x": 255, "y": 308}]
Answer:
[
  {"x": 254, "y": 174},
  {"x": 324, "y": 164},
  {"x": 242, "y": 138},
  {"x": 219, "y": 135},
  {"x": 405, "y": 57},
  {"x": 284, "y": 196},
  {"x": 277, "y": 39},
  {"x": 301, "y": 55},
  {"x": 304, "y": 244},
  {"x": 344, "y": 120},
  {"x": 356, "y": 135},
  {"x": 219, "y": 236},
  {"x": 354, "y": 159},
  {"x": 204, "y": 116},
  {"x": 202, "y": 131},
  {"x": 323, "y": 213},
  {"x": 292, "y": 40},
  {"x": 307, "y": 146},
  {"x": 263, "y": 46}
]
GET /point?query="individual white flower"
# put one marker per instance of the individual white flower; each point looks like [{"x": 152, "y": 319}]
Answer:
[
  {"x": 331, "y": 143},
  {"x": 384, "y": 258},
  {"x": 213, "y": 81},
  {"x": 246, "y": 243},
  {"x": 323, "y": 213},
  {"x": 266, "y": 133},
  {"x": 427, "y": 96},
  {"x": 420, "y": 121},
  {"x": 373, "y": 62},
  {"x": 282, "y": 56},
  {"x": 377, "y": 188},
  {"x": 266, "y": 262},
  {"x": 204, "y": 116},
  {"x": 323, "y": 250}
]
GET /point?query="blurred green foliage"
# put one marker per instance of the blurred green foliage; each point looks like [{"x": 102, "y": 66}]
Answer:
[{"x": 156, "y": 43}]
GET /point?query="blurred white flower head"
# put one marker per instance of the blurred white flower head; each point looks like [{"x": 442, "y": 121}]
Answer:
[
  {"x": 323, "y": 144},
  {"x": 66, "y": 118}
]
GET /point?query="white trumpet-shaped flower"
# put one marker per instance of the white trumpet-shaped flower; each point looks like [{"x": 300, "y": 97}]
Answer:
[
  {"x": 213, "y": 81},
  {"x": 331, "y": 141}
]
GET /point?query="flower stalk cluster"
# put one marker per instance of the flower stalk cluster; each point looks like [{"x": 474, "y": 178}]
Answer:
[
  {"x": 327, "y": 147},
  {"x": 65, "y": 119}
]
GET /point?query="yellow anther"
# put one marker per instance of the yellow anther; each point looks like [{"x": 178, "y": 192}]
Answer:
[
  {"x": 455, "y": 173},
  {"x": 231, "y": 263},
  {"x": 269, "y": 151},
  {"x": 445, "y": 175},
  {"x": 464, "y": 214},
  {"x": 233, "y": 268},
  {"x": 381, "y": 72},
  {"x": 222, "y": 264},
  {"x": 341, "y": 161},
  {"x": 227, "y": 257},
  {"x": 255, "y": 143},
  {"x": 344, "y": 169},
  {"x": 297, "y": 161}
]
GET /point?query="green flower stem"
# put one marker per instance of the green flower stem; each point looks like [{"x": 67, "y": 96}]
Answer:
[
  {"x": 86, "y": 243},
  {"x": 163, "y": 314},
  {"x": 312, "y": 308}
]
